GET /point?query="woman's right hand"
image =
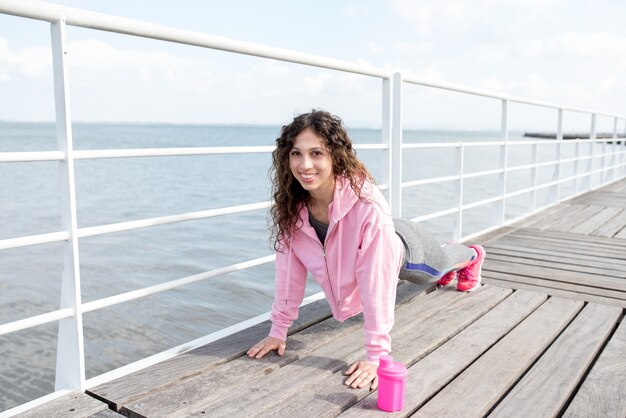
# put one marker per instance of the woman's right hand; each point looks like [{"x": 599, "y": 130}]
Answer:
[{"x": 266, "y": 345}]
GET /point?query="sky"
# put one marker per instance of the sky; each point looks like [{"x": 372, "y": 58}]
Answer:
[{"x": 567, "y": 52}]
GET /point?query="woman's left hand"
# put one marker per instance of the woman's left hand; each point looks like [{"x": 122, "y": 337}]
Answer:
[{"x": 362, "y": 373}]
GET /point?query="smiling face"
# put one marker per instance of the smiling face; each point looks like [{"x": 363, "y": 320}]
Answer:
[{"x": 312, "y": 166}]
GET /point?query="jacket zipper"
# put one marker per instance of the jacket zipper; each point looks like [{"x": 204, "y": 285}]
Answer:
[{"x": 330, "y": 284}]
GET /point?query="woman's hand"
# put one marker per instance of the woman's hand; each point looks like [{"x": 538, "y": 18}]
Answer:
[
  {"x": 266, "y": 345},
  {"x": 362, "y": 373}
]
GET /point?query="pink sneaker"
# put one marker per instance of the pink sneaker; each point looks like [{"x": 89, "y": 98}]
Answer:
[
  {"x": 446, "y": 279},
  {"x": 469, "y": 277}
]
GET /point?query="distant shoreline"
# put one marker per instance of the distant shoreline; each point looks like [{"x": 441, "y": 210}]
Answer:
[{"x": 571, "y": 135}]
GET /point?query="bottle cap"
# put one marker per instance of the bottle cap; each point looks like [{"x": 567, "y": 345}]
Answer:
[
  {"x": 391, "y": 369},
  {"x": 385, "y": 361}
]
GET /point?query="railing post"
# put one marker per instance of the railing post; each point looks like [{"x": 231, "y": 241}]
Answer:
[
  {"x": 395, "y": 154},
  {"x": 504, "y": 135},
  {"x": 458, "y": 219},
  {"x": 386, "y": 132},
  {"x": 70, "y": 366},
  {"x": 533, "y": 175},
  {"x": 577, "y": 168},
  {"x": 623, "y": 148},
  {"x": 614, "y": 172},
  {"x": 559, "y": 148},
  {"x": 592, "y": 139},
  {"x": 603, "y": 173}
]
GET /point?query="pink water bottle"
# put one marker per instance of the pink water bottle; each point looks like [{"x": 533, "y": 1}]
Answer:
[{"x": 391, "y": 384}]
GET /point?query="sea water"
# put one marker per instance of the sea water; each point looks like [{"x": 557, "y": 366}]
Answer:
[{"x": 124, "y": 189}]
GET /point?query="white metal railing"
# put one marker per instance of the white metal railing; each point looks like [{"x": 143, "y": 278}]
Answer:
[{"x": 70, "y": 371}]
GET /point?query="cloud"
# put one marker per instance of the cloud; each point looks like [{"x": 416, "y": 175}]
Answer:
[
  {"x": 274, "y": 67},
  {"x": 314, "y": 85},
  {"x": 375, "y": 47},
  {"x": 428, "y": 16},
  {"x": 576, "y": 45},
  {"x": 31, "y": 62}
]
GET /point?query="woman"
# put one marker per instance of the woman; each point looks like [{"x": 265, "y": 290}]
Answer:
[{"x": 332, "y": 221}]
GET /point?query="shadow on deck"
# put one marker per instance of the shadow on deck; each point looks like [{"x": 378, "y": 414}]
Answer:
[{"x": 544, "y": 336}]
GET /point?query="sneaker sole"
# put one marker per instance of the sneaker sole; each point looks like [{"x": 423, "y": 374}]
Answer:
[
  {"x": 471, "y": 289},
  {"x": 444, "y": 285}
]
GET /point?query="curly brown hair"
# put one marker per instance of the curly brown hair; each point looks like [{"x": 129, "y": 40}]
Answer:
[{"x": 287, "y": 192}]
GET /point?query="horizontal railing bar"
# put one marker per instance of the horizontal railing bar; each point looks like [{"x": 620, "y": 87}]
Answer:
[
  {"x": 429, "y": 181},
  {"x": 130, "y": 225},
  {"x": 33, "y": 240},
  {"x": 490, "y": 172},
  {"x": 371, "y": 146},
  {"x": 86, "y": 19},
  {"x": 549, "y": 184},
  {"x": 168, "y": 152},
  {"x": 455, "y": 210},
  {"x": 173, "y": 284},
  {"x": 164, "y": 220},
  {"x": 520, "y": 167},
  {"x": 483, "y": 173},
  {"x": 186, "y": 347},
  {"x": 526, "y": 142},
  {"x": 435, "y": 215},
  {"x": 35, "y": 321},
  {"x": 413, "y": 145},
  {"x": 519, "y": 192},
  {"x": 547, "y": 163},
  {"x": 31, "y": 156},
  {"x": 606, "y": 154},
  {"x": 484, "y": 143},
  {"x": 482, "y": 202},
  {"x": 493, "y": 95},
  {"x": 10, "y": 157}
]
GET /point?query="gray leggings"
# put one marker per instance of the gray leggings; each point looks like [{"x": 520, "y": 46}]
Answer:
[{"x": 424, "y": 258}]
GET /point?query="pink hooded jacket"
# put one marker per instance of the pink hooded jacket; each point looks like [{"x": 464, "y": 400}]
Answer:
[{"x": 357, "y": 267}]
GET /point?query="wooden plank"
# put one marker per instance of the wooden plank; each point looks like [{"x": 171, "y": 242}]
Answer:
[
  {"x": 538, "y": 219},
  {"x": 437, "y": 369},
  {"x": 141, "y": 383},
  {"x": 561, "y": 367},
  {"x": 555, "y": 236},
  {"x": 107, "y": 413},
  {"x": 568, "y": 258},
  {"x": 567, "y": 223},
  {"x": 612, "y": 226},
  {"x": 303, "y": 348},
  {"x": 587, "y": 226},
  {"x": 599, "y": 242},
  {"x": 330, "y": 396},
  {"x": 573, "y": 247},
  {"x": 74, "y": 405},
  {"x": 603, "y": 198},
  {"x": 585, "y": 265},
  {"x": 566, "y": 210},
  {"x": 555, "y": 262},
  {"x": 556, "y": 275},
  {"x": 547, "y": 283},
  {"x": 555, "y": 292},
  {"x": 490, "y": 236},
  {"x": 565, "y": 239},
  {"x": 476, "y": 390},
  {"x": 621, "y": 234},
  {"x": 602, "y": 392}
]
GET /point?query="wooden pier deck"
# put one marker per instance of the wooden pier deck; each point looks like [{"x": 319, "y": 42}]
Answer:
[{"x": 544, "y": 336}]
